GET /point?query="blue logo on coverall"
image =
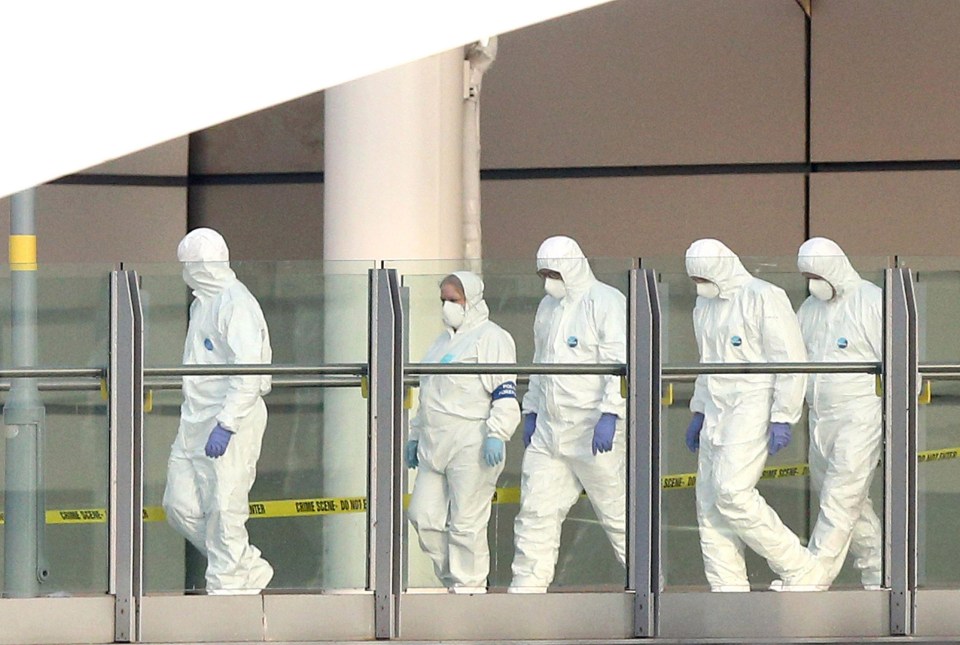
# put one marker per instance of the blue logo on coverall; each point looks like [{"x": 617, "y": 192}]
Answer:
[
  {"x": 842, "y": 342},
  {"x": 208, "y": 344},
  {"x": 447, "y": 358},
  {"x": 572, "y": 341},
  {"x": 736, "y": 341}
]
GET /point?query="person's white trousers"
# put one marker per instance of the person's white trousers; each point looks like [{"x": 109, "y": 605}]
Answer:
[
  {"x": 843, "y": 460},
  {"x": 450, "y": 511},
  {"x": 732, "y": 513},
  {"x": 549, "y": 486},
  {"x": 206, "y": 501}
]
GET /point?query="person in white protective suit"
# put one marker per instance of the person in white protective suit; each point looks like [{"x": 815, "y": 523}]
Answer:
[
  {"x": 574, "y": 426},
  {"x": 458, "y": 437},
  {"x": 739, "y": 419},
  {"x": 842, "y": 321},
  {"x": 213, "y": 460}
]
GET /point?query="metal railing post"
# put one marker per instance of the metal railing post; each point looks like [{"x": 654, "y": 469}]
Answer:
[
  {"x": 126, "y": 453},
  {"x": 643, "y": 464},
  {"x": 385, "y": 368},
  {"x": 900, "y": 416}
]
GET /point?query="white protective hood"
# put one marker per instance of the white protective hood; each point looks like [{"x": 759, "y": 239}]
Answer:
[
  {"x": 206, "y": 262},
  {"x": 826, "y": 259},
  {"x": 563, "y": 255},
  {"x": 712, "y": 260},
  {"x": 476, "y": 310}
]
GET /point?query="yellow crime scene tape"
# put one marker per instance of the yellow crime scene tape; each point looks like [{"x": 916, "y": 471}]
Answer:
[
  {"x": 312, "y": 506},
  {"x": 270, "y": 508}
]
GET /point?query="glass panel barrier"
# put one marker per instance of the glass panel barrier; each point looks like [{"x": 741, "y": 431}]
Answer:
[
  {"x": 937, "y": 284},
  {"x": 308, "y": 503},
  {"x": 72, "y": 331},
  {"x": 512, "y": 292},
  {"x": 785, "y": 483}
]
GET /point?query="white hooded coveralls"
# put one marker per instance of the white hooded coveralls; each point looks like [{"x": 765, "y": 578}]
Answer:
[
  {"x": 454, "y": 488},
  {"x": 844, "y": 411},
  {"x": 588, "y": 325},
  {"x": 751, "y": 321},
  {"x": 206, "y": 500}
]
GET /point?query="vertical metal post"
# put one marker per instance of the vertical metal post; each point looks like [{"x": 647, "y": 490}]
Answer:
[
  {"x": 900, "y": 416},
  {"x": 397, "y": 467},
  {"x": 25, "y": 516},
  {"x": 126, "y": 453},
  {"x": 643, "y": 464},
  {"x": 385, "y": 389},
  {"x": 402, "y": 568}
]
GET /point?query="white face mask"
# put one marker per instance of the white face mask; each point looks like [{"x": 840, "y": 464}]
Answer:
[
  {"x": 453, "y": 314},
  {"x": 207, "y": 278},
  {"x": 821, "y": 289},
  {"x": 196, "y": 278},
  {"x": 555, "y": 288},
  {"x": 707, "y": 290}
]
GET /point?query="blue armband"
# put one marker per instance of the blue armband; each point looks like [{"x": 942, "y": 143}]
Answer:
[{"x": 506, "y": 390}]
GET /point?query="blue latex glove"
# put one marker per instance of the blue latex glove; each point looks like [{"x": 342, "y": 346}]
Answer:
[
  {"x": 603, "y": 433},
  {"x": 693, "y": 431},
  {"x": 492, "y": 451},
  {"x": 529, "y": 425},
  {"x": 217, "y": 442},
  {"x": 410, "y": 453},
  {"x": 779, "y": 437}
]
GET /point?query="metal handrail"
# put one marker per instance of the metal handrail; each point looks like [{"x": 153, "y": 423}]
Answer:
[
  {"x": 939, "y": 371},
  {"x": 684, "y": 371},
  {"x": 90, "y": 379},
  {"x": 168, "y": 378},
  {"x": 424, "y": 369},
  {"x": 54, "y": 372},
  {"x": 60, "y": 385},
  {"x": 336, "y": 369},
  {"x": 164, "y": 383},
  {"x": 689, "y": 373},
  {"x": 673, "y": 373},
  {"x": 83, "y": 378}
]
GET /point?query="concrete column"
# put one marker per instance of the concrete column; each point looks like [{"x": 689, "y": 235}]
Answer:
[
  {"x": 480, "y": 56},
  {"x": 392, "y": 190}
]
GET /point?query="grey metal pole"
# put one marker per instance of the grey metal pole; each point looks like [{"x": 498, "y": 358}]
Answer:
[
  {"x": 900, "y": 395},
  {"x": 384, "y": 510},
  {"x": 24, "y": 563},
  {"x": 126, "y": 453},
  {"x": 643, "y": 475}
]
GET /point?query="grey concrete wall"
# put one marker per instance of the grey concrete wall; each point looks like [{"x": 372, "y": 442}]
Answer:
[
  {"x": 650, "y": 83},
  {"x": 630, "y": 86},
  {"x": 646, "y": 216},
  {"x": 285, "y": 138},
  {"x": 114, "y": 219},
  {"x": 885, "y": 78},
  {"x": 263, "y": 222},
  {"x": 634, "y": 86},
  {"x": 879, "y": 213}
]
